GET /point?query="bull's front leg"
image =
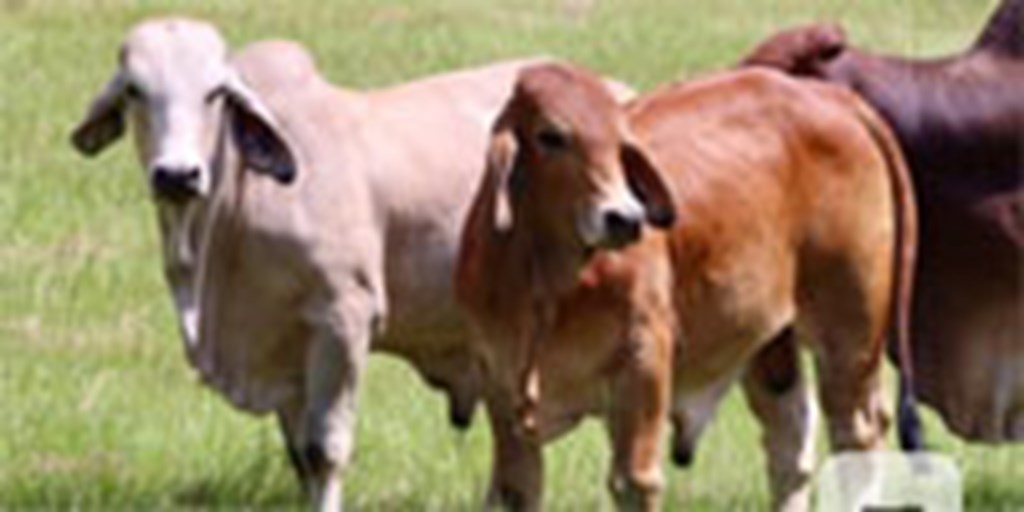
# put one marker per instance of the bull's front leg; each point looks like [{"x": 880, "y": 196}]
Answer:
[
  {"x": 335, "y": 364},
  {"x": 289, "y": 420},
  {"x": 638, "y": 417},
  {"x": 518, "y": 466}
]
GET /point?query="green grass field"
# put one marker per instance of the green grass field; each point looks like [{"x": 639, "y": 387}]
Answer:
[{"x": 98, "y": 407}]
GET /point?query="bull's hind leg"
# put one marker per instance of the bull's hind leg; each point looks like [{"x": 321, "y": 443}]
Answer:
[
  {"x": 847, "y": 326},
  {"x": 777, "y": 393},
  {"x": 851, "y": 396},
  {"x": 335, "y": 364}
]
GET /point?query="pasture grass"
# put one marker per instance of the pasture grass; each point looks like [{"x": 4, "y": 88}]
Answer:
[{"x": 98, "y": 408}]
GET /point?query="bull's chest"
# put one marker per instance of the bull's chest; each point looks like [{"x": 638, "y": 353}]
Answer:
[{"x": 579, "y": 362}]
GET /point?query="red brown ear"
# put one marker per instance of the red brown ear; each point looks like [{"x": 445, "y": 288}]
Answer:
[
  {"x": 646, "y": 182},
  {"x": 104, "y": 122}
]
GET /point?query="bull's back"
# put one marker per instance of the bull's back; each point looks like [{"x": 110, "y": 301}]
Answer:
[
  {"x": 765, "y": 170},
  {"x": 758, "y": 149}
]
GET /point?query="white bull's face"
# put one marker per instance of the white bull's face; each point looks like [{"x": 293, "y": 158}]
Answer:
[
  {"x": 174, "y": 86},
  {"x": 176, "y": 82}
]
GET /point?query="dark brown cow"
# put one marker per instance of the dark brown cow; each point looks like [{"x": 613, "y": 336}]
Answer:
[
  {"x": 795, "y": 221},
  {"x": 960, "y": 121}
]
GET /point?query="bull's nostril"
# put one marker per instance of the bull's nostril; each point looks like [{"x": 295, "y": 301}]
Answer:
[
  {"x": 176, "y": 184},
  {"x": 621, "y": 228}
]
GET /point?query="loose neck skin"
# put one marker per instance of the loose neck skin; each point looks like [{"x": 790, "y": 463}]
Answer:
[
  {"x": 538, "y": 258},
  {"x": 181, "y": 230},
  {"x": 515, "y": 277},
  {"x": 185, "y": 234},
  {"x": 538, "y": 271}
]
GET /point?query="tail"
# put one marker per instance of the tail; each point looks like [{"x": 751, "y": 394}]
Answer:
[{"x": 909, "y": 424}]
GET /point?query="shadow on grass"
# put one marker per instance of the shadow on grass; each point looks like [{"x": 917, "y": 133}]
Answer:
[
  {"x": 221, "y": 492},
  {"x": 263, "y": 482},
  {"x": 266, "y": 483}
]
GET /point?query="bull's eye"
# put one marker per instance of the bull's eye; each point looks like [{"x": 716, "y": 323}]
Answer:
[{"x": 552, "y": 140}]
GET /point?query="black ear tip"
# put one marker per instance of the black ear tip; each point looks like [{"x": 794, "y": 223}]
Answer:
[
  {"x": 661, "y": 218},
  {"x": 286, "y": 175},
  {"x": 79, "y": 143},
  {"x": 86, "y": 147},
  {"x": 90, "y": 141}
]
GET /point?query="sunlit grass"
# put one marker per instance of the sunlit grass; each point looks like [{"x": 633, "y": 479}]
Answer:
[{"x": 98, "y": 408}]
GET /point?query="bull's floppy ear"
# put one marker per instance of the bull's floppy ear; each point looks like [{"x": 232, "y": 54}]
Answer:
[
  {"x": 646, "y": 182},
  {"x": 257, "y": 134},
  {"x": 104, "y": 122},
  {"x": 503, "y": 175}
]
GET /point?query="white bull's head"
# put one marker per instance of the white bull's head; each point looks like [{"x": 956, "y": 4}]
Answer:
[{"x": 175, "y": 81}]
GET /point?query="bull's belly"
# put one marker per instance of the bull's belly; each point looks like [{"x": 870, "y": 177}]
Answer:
[
  {"x": 969, "y": 358},
  {"x": 977, "y": 381},
  {"x": 411, "y": 331},
  {"x": 707, "y": 367},
  {"x": 577, "y": 379},
  {"x": 563, "y": 408},
  {"x": 968, "y": 323},
  {"x": 696, "y": 396},
  {"x": 419, "y": 276}
]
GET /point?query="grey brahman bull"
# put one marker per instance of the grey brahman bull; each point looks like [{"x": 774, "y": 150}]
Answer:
[{"x": 280, "y": 290}]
